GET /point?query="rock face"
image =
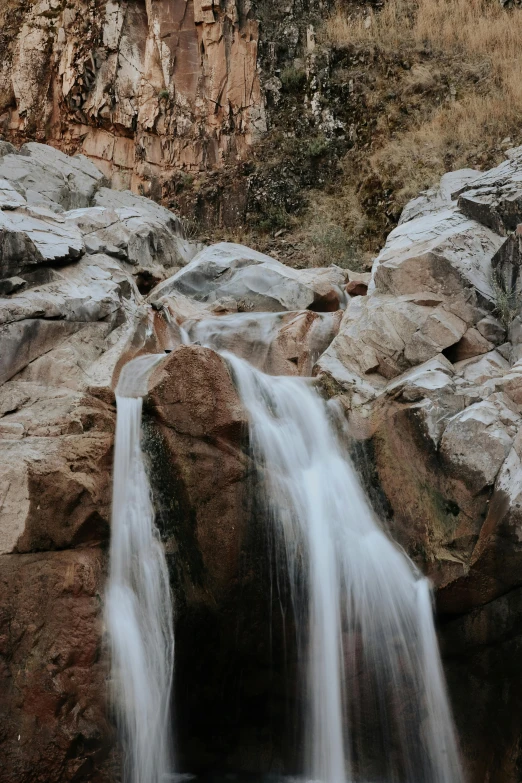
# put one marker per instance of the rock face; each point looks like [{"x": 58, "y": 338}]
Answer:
[
  {"x": 53, "y": 713},
  {"x": 427, "y": 366},
  {"x": 140, "y": 88}
]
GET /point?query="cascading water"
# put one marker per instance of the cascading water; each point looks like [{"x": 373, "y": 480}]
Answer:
[
  {"x": 138, "y": 612},
  {"x": 378, "y": 708}
]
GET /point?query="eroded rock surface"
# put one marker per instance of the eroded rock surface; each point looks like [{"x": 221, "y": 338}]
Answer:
[
  {"x": 140, "y": 88},
  {"x": 424, "y": 365}
]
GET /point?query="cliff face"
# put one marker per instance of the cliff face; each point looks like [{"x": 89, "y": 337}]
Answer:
[{"x": 142, "y": 88}]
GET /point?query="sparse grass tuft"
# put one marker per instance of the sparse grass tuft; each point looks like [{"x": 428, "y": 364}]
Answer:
[{"x": 506, "y": 302}]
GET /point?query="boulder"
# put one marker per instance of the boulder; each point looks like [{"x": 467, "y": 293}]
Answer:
[
  {"x": 442, "y": 253},
  {"x": 55, "y": 466},
  {"x": 149, "y": 241},
  {"x": 29, "y": 239},
  {"x": 471, "y": 344},
  {"x": 381, "y": 336},
  {"x": 9, "y": 197},
  {"x": 255, "y": 281},
  {"x": 494, "y": 199},
  {"x": 36, "y": 320},
  {"x": 499, "y": 549},
  {"x": 491, "y": 329},
  {"x": 44, "y": 176},
  {"x": 440, "y": 197},
  {"x": 477, "y": 440}
]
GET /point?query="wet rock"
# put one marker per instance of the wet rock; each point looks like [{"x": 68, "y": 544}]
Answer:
[{"x": 277, "y": 343}]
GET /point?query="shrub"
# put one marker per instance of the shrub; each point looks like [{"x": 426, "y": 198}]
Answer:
[{"x": 293, "y": 79}]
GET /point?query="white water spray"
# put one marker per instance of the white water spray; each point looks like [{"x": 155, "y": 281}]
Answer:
[
  {"x": 378, "y": 708},
  {"x": 138, "y": 610}
]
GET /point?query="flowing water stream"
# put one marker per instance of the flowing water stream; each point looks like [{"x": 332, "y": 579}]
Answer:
[
  {"x": 376, "y": 700},
  {"x": 374, "y": 696},
  {"x": 138, "y": 603}
]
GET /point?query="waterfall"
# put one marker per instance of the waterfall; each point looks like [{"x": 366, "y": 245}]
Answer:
[
  {"x": 377, "y": 707},
  {"x": 138, "y": 613}
]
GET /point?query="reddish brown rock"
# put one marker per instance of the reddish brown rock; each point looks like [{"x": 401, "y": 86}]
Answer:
[
  {"x": 356, "y": 288},
  {"x": 53, "y": 711},
  {"x": 55, "y": 468},
  {"x": 143, "y": 89},
  {"x": 202, "y": 424}
]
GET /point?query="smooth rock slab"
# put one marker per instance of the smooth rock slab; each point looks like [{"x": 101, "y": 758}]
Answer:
[
  {"x": 256, "y": 281},
  {"x": 27, "y": 241},
  {"x": 45, "y": 176}
]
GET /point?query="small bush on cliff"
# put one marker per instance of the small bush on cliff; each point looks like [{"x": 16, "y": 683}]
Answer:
[{"x": 293, "y": 79}]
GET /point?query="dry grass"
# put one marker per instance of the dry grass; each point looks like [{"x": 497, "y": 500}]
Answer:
[{"x": 476, "y": 115}]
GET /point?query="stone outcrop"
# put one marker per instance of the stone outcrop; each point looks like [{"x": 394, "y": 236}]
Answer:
[
  {"x": 255, "y": 282},
  {"x": 427, "y": 366}
]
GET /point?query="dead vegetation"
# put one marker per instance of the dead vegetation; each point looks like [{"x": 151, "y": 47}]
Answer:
[{"x": 466, "y": 68}]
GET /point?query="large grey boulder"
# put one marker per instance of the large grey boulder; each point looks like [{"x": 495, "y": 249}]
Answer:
[
  {"x": 149, "y": 240},
  {"x": 440, "y": 253},
  {"x": 439, "y": 197},
  {"x": 30, "y": 238},
  {"x": 477, "y": 440},
  {"x": 495, "y": 198},
  {"x": 382, "y": 336},
  {"x": 47, "y": 177},
  {"x": 96, "y": 291},
  {"x": 255, "y": 281}
]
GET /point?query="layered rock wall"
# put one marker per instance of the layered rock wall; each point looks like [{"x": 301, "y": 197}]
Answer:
[{"x": 141, "y": 87}]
